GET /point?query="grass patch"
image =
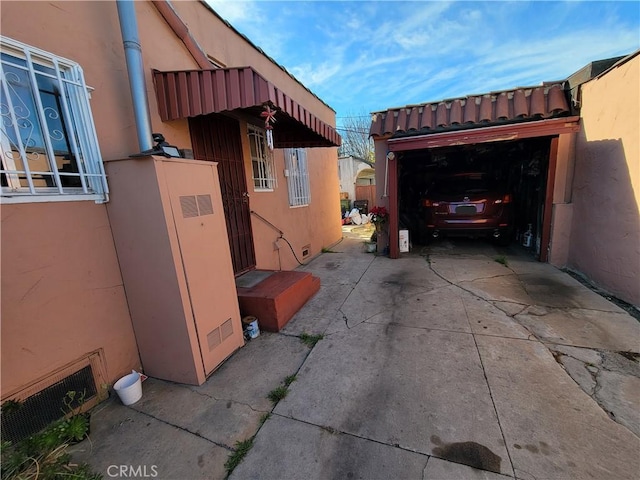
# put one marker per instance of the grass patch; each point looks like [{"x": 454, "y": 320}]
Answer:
[
  {"x": 502, "y": 260},
  {"x": 289, "y": 380},
  {"x": 242, "y": 448},
  {"x": 264, "y": 418},
  {"x": 328, "y": 250},
  {"x": 278, "y": 393},
  {"x": 44, "y": 455},
  {"x": 310, "y": 340}
]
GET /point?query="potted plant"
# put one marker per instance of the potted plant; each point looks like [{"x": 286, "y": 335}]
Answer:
[{"x": 379, "y": 217}]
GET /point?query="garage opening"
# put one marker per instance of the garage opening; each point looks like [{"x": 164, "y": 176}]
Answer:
[{"x": 493, "y": 191}]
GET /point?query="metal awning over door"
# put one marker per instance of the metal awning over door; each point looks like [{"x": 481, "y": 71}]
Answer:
[{"x": 189, "y": 93}]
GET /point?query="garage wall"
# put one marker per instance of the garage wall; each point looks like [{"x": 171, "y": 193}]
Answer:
[
  {"x": 605, "y": 234},
  {"x": 561, "y": 223}
]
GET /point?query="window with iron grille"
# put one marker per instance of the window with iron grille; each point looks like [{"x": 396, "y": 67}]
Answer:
[
  {"x": 48, "y": 140},
  {"x": 297, "y": 175},
  {"x": 261, "y": 160}
]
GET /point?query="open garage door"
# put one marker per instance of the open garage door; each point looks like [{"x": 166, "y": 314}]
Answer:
[{"x": 494, "y": 190}]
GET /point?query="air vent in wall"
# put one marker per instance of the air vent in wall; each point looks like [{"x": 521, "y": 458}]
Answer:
[
  {"x": 306, "y": 250},
  {"x": 196, "y": 205},
  {"x": 189, "y": 206},
  {"x": 220, "y": 334},
  {"x": 226, "y": 329},
  {"x": 204, "y": 204}
]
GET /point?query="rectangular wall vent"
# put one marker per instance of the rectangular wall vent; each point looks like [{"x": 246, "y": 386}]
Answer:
[
  {"x": 196, "y": 205},
  {"x": 204, "y": 205},
  {"x": 213, "y": 338},
  {"x": 226, "y": 329},
  {"x": 220, "y": 334},
  {"x": 189, "y": 206},
  {"x": 306, "y": 251}
]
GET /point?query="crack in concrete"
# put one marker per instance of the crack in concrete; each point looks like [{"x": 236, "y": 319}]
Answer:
[
  {"x": 533, "y": 337},
  {"x": 241, "y": 403},
  {"x": 186, "y": 430},
  {"x": 227, "y": 400},
  {"x": 529, "y": 475},
  {"x": 470, "y": 280},
  {"x": 595, "y": 373},
  {"x": 335, "y": 431},
  {"x": 553, "y": 308},
  {"x": 486, "y": 380}
]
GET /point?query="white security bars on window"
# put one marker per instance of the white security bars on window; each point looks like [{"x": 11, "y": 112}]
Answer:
[
  {"x": 261, "y": 160},
  {"x": 48, "y": 140},
  {"x": 297, "y": 175}
]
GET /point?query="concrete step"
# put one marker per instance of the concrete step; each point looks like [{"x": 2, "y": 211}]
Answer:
[{"x": 277, "y": 298}]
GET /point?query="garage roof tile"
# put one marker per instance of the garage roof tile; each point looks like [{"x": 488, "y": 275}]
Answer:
[{"x": 496, "y": 108}]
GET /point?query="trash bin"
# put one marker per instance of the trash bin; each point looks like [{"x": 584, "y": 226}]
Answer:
[
  {"x": 345, "y": 205},
  {"x": 362, "y": 205}
]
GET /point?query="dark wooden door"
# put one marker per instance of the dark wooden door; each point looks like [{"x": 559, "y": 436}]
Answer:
[{"x": 216, "y": 138}]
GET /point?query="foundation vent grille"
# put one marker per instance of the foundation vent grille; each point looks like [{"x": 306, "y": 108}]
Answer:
[{"x": 29, "y": 416}]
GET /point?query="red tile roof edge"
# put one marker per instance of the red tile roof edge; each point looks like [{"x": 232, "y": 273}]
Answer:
[{"x": 548, "y": 100}]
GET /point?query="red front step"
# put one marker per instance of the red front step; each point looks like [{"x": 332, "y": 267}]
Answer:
[{"x": 276, "y": 299}]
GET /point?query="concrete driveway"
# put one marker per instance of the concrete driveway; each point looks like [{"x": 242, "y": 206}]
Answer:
[{"x": 461, "y": 361}]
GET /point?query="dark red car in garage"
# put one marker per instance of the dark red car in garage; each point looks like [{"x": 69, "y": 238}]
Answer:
[{"x": 469, "y": 204}]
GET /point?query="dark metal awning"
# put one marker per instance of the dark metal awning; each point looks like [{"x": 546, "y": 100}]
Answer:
[{"x": 189, "y": 93}]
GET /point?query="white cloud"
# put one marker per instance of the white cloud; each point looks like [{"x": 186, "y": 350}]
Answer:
[
  {"x": 375, "y": 54},
  {"x": 313, "y": 75},
  {"x": 233, "y": 11}
]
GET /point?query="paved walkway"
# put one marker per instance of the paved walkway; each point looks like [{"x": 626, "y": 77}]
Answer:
[{"x": 461, "y": 361}]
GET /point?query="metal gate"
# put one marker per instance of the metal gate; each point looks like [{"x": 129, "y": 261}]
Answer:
[{"x": 216, "y": 138}]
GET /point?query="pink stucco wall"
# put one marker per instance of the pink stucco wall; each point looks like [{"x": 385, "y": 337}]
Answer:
[
  {"x": 61, "y": 301},
  {"x": 605, "y": 235},
  {"x": 316, "y": 225},
  {"x": 62, "y": 292}
]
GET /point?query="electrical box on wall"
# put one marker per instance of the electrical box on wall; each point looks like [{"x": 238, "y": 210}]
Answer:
[{"x": 176, "y": 264}]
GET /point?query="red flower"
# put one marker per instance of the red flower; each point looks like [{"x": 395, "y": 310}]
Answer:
[{"x": 379, "y": 215}]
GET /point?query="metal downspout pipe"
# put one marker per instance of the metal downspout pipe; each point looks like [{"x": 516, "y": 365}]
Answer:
[{"x": 135, "y": 67}]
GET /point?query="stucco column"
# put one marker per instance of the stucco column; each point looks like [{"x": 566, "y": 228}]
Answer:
[
  {"x": 382, "y": 193},
  {"x": 394, "y": 249}
]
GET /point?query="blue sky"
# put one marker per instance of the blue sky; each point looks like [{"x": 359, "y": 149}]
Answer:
[{"x": 365, "y": 56}]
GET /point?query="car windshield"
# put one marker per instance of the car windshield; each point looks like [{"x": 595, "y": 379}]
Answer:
[{"x": 461, "y": 184}]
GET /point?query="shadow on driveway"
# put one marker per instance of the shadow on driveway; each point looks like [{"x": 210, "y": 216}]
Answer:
[{"x": 445, "y": 363}]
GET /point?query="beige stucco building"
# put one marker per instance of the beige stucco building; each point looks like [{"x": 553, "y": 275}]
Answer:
[{"x": 121, "y": 263}]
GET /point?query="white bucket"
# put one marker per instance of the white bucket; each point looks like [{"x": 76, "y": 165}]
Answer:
[{"x": 129, "y": 388}]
